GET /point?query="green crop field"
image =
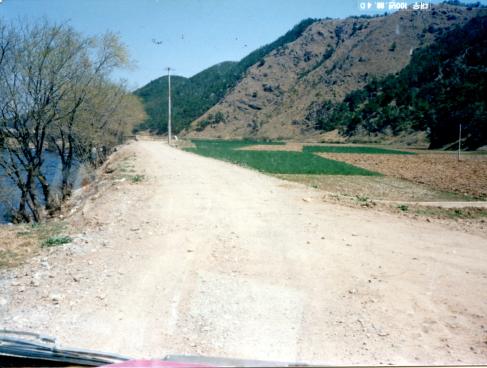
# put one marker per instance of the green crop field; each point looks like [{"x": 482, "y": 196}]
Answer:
[
  {"x": 275, "y": 162},
  {"x": 354, "y": 149}
]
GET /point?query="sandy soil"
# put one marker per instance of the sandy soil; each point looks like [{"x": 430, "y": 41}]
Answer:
[
  {"x": 204, "y": 257},
  {"x": 440, "y": 171}
]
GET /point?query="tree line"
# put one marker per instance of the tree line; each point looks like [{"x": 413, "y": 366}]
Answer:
[{"x": 56, "y": 95}]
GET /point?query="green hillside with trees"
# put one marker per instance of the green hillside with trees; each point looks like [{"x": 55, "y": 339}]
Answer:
[
  {"x": 194, "y": 96},
  {"x": 444, "y": 85}
]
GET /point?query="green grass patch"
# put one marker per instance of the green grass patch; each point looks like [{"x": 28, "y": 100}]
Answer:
[
  {"x": 56, "y": 240},
  {"x": 137, "y": 178},
  {"x": 403, "y": 207},
  {"x": 354, "y": 149},
  {"x": 466, "y": 213},
  {"x": 275, "y": 162}
]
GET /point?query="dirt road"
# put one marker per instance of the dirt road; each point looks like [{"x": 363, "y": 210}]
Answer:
[{"x": 204, "y": 257}]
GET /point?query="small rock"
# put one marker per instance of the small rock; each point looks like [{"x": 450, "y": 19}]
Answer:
[
  {"x": 109, "y": 170},
  {"x": 56, "y": 298}
]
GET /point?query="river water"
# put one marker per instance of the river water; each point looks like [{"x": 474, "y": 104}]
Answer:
[{"x": 9, "y": 194}]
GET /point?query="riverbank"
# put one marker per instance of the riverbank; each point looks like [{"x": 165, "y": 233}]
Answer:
[
  {"x": 20, "y": 242},
  {"x": 51, "y": 168}
]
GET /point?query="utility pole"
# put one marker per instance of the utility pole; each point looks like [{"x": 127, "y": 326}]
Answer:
[
  {"x": 459, "y": 141},
  {"x": 169, "y": 105}
]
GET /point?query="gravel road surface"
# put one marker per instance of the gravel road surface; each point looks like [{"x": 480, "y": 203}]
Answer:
[{"x": 204, "y": 257}]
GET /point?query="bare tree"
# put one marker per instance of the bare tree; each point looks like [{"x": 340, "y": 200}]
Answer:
[
  {"x": 107, "y": 118},
  {"x": 48, "y": 75},
  {"x": 108, "y": 53}
]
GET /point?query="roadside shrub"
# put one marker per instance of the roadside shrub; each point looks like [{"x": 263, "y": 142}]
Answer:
[{"x": 403, "y": 207}]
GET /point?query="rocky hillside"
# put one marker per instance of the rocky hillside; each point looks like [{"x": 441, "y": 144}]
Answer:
[
  {"x": 444, "y": 85},
  {"x": 278, "y": 95}
]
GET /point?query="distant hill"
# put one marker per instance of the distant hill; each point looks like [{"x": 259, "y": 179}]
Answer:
[
  {"x": 193, "y": 96},
  {"x": 283, "y": 94},
  {"x": 444, "y": 85}
]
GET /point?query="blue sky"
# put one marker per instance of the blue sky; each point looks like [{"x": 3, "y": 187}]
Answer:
[{"x": 195, "y": 34}]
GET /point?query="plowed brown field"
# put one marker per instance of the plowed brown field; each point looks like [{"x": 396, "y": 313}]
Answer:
[{"x": 441, "y": 171}]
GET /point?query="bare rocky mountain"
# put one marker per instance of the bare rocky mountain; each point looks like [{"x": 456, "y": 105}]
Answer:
[{"x": 277, "y": 96}]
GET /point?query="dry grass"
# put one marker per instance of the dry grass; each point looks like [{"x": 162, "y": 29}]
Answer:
[
  {"x": 14, "y": 248},
  {"x": 20, "y": 242}
]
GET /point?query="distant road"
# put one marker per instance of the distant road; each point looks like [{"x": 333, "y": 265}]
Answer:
[{"x": 204, "y": 257}]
